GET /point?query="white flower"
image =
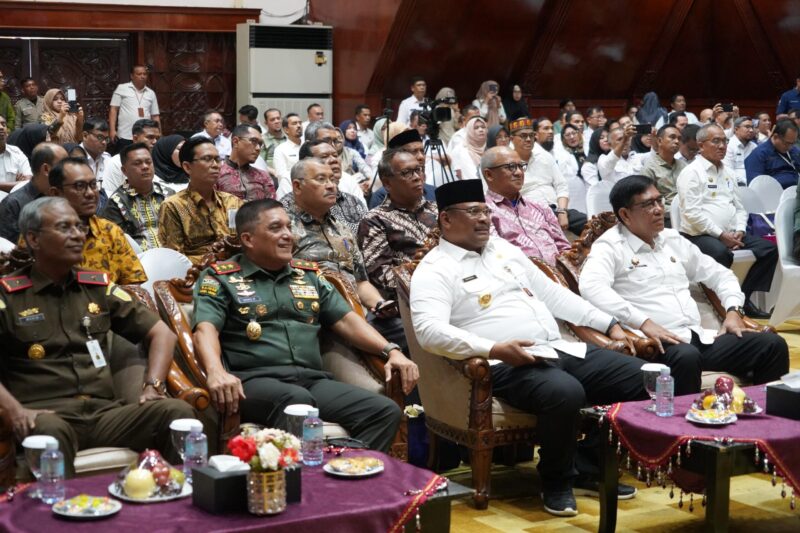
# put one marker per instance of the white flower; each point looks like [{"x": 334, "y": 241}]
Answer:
[{"x": 268, "y": 454}]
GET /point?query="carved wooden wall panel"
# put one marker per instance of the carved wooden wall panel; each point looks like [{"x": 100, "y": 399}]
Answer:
[
  {"x": 192, "y": 73},
  {"x": 14, "y": 65}
]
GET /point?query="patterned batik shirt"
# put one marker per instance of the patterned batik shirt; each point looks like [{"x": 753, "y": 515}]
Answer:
[
  {"x": 137, "y": 215},
  {"x": 390, "y": 235},
  {"x": 247, "y": 183}
]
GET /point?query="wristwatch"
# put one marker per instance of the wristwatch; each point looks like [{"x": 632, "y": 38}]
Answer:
[
  {"x": 388, "y": 348},
  {"x": 157, "y": 384},
  {"x": 738, "y": 309}
]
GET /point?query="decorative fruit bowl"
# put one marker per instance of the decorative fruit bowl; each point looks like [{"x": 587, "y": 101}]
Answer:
[
  {"x": 150, "y": 478},
  {"x": 726, "y": 397}
]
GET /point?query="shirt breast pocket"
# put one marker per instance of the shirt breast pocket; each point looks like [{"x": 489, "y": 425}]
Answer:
[
  {"x": 99, "y": 324},
  {"x": 643, "y": 274},
  {"x": 32, "y": 331},
  {"x": 478, "y": 294}
]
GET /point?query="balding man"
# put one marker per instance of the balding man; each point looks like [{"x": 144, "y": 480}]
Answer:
[
  {"x": 44, "y": 157},
  {"x": 713, "y": 218},
  {"x": 528, "y": 225},
  {"x": 214, "y": 128}
]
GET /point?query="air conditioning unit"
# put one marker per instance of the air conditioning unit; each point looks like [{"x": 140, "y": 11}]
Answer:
[{"x": 286, "y": 67}]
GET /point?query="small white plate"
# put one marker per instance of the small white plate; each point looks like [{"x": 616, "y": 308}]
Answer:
[
  {"x": 327, "y": 468},
  {"x": 724, "y": 421},
  {"x": 61, "y": 509},
  {"x": 115, "y": 492},
  {"x": 758, "y": 411}
]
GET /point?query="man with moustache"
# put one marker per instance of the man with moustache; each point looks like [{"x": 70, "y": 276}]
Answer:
[
  {"x": 663, "y": 167},
  {"x": 272, "y": 138},
  {"x": 145, "y": 131},
  {"x": 135, "y": 205},
  {"x": 410, "y": 142},
  {"x": 640, "y": 273},
  {"x": 30, "y": 107},
  {"x": 478, "y": 295},
  {"x": 198, "y": 216},
  {"x": 712, "y": 216},
  {"x": 130, "y": 102},
  {"x": 257, "y": 323},
  {"x": 740, "y": 146},
  {"x": 237, "y": 174}
]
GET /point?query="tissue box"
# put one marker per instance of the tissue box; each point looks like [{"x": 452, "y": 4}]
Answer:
[
  {"x": 219, "y": 492},
  {"x": 783, "y": 401},
  {"x": 294, "y": 486}
]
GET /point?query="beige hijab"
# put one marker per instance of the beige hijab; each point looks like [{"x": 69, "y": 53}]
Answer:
[
  {"x": 475, "y": 147},
  {"x": 492, "y": 112},
  {"x": 68, "y": 130}
]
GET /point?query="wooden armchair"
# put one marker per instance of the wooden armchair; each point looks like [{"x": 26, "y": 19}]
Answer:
[
  {"x": 465, "y": 411},
  {"x": 174, "y": 301},
  {"x": 571, "y": 261},
  {"x": 127, "y": 367}
]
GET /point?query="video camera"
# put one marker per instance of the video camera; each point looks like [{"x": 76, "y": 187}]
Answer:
[{"x": 435, "y": 112}]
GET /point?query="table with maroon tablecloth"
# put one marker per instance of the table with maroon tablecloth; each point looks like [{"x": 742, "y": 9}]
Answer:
[
  {"x": 696, "y": 457},
  {"x": 329, "y": 504}
]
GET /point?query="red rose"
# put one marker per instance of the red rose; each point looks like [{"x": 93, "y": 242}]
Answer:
[{"x": 242, "y": 448}]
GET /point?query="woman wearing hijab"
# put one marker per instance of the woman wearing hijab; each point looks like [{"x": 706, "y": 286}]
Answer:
[
  {"x": 64, "y": 126},
  {"x": 516, "y": 107},
  {"x": 571, "y": 158},
  {"x": 448, "y": 127},
  {"x": 75, "y": 150},
  {"x": 651, "y": 111},
  {"x": 165, "y": 160},
  {"x": 466, "y": 158},
  {"x": 598, "y": 145},
  {"x": 27, "y": 137},
  {"x": 497, "y": 136},
  {"x": 350, "y": 158},
  {"x": 351, "y": 139},
  {"x": 488, "y": 102}
]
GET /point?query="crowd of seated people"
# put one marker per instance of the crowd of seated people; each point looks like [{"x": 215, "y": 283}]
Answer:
[{"x": 361, "y": 199}]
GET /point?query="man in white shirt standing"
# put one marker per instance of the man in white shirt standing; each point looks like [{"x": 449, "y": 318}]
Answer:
[
  {"x": 363, "y": 121},
  {"x": 740, "y": 146},
  {"x": 418, "y": 90},
  {"x": 678, "y": 104},
  {"x": 476, "y": 295},
  {"x": 544, "y": 182},
  {"x": 214, "y": 128},
  {"x": 130, "y": 102},
  {"x": 712, "y": 216},
  {"x": 286, "y": 153},
  {"x": 14, "y": 166},
  {"x": 639, "y": 272}
]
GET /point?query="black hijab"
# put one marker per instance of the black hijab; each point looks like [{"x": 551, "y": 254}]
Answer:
[
  {"x": 594, "y": 146},
  {"x": 28, "y": 137},
  {"x": 162, "y": 160},
  {"x": 515, "y": 108},
  {"x": 651, "y": 110}
]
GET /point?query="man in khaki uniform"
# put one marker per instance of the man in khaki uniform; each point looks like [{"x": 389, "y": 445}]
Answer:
[
  {"x": 257, "y": 321},
  {"x": 53, "y": 322}
]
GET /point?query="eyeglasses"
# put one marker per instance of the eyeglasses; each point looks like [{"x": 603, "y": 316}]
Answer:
[
  {"x": 255, "y": 141},
  {"x": 650, "y": 205},
  {"x": 523, "y": 136},
  {"x": 82, "y": 186},
  {"x": 208, "y": 159},
  {"x": 472, "y": 212},
  {"x": 65, "y": 228},
  {"x": 409, "y": 173},
  {"x": 100, "y": 138},
  {"x": 511, "y": 167}
]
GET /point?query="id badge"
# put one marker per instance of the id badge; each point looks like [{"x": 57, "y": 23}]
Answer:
[
  {"x": 141, "y": 112},
  {"x": 96, "y": 353}
]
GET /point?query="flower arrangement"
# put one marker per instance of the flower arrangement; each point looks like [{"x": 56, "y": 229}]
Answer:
[{"x": 267, "y": 450}]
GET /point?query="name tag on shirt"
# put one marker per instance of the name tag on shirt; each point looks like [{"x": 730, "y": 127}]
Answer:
[
  {"x": 96, "y": 353},
  {"x": 712, "y": 185}
]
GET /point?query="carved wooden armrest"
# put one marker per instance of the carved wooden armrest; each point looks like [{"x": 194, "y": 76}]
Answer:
[
  {"x": 592, "y": 336},
  {"x": 475, "y": 368},
  {"x": 180, "y": 387},
  {"x": 7, "y": 450},
  {"x": 748, "y": 322},
  {"x": 646, "y": 348}
]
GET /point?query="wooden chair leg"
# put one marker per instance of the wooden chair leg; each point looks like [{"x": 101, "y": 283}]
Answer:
[{"x": 481, "y": 462}]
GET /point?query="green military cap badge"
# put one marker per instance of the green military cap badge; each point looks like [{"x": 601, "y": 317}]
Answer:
[
  {"x": 303, "y": 264},
  {"x": 16, "y": 283},
  {"x": 226, "y": 267},
  {"x": 93, "y": 278}
]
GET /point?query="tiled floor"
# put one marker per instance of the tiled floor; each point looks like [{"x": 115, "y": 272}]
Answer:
[{"x": 756, "y": 506}]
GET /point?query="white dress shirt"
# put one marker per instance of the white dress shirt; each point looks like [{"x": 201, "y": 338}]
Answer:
[
  {"x": 222, "y": 143},
  {"x": 544, "y": 182},
  {"x": 12, "y": 162},
  {"x": 366, "y": 136},
  {"x": 98, "y": 165},
  {"x": 459, "y": 138},
  {"x": 464, "y": 302},
  {"x": 484, "y": 109},
  {"x": 406, "y": 107},
  {"x": 691, "y": 117},
  {"x": 349, "y": 184},
  {"x": 628, "y": 279},
  {"x": 283, "y": 159},
  {"x": 735, "y": 155},
  {"x": 612, "y": 168},
  {"x": 709, "y": 200},
  {"x": 112, "y": 175},
  {"x": 462, "y": 164}
]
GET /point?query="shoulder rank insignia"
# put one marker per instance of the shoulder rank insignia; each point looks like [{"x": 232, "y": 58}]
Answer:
[
  {"x": 305, "y": 265},
  {"x": 226, "y": 267},
  {"x": 93, "y": 278},
  {"x": 16, "y": 283}
]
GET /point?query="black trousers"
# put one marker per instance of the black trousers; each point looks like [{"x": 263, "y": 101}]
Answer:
[
  {"x": 369, "y": 417},
  {"x": 555, "y": 391},
  {"x": 765, "y": 356},
  {"x": 759, "y": 277}
]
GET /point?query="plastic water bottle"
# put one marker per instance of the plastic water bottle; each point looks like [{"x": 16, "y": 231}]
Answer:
[
  {"x": 51, "y": 480},
  {"x": 665, "y": 393},
  {"x": 196, "y": 450},
  {"x": 312, "y": 438}
]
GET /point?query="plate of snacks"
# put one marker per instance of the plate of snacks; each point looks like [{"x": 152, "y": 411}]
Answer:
[
  {"x": 711, "y": 417},
  {"x": 354, "y": 466},
  {"x": 727, "y": 396},
  {"x": 85, "y": 507},
  {"x": 150, "y": 479}
]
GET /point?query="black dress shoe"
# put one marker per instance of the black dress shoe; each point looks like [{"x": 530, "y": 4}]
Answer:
[{"x": 754, "y": 312}]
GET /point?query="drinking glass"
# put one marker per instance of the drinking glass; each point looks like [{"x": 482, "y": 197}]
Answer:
[
  {"x": 650, "y": 372},
  {"x": 179, "y": 429},
  {"x": 34, "y": 447}
]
